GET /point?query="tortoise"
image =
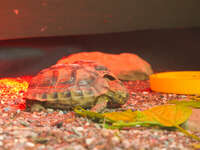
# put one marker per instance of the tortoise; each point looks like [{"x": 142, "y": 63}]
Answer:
[{"x": 82, "y": 83}]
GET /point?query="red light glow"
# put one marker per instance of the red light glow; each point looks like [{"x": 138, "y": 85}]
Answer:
[{"x": 12, "y": 90}]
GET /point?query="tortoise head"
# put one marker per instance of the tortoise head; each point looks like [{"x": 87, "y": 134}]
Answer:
[{"x": 117, "y": 91}]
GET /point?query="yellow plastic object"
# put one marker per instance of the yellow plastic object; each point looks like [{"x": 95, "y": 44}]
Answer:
[{"x": 178, "y": 82}]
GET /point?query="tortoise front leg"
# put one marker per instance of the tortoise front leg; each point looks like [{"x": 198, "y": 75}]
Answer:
[
  {"x": 33, "y": 105},
  {"x": 101, "y": 103},
  {"x": 37, "y": 108}
]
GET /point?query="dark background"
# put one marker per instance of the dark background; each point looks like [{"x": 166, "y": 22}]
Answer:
[
  {"x": 35, "y": 34},
  {"x": 164, "y": 49}
]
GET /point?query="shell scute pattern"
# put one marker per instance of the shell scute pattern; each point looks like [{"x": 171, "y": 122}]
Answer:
[{"x": 75, "y": 84}]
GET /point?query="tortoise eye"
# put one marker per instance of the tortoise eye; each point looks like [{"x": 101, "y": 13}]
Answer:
[{"x": 109, "y": 77}]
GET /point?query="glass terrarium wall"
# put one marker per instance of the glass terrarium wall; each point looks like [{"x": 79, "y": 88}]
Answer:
[
  {"x": 35, "y": 34},
  {"x": 43, "y": 18}
]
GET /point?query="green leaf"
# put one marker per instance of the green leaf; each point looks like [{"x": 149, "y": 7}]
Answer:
[
  {"x": 125, "y": 116},
  {"x": 121, "y": 124},
  {"x": 190, "y": 103},
  {"x": 187, "y": 133},
  {"x": 163, "y": 115},
  {"x": 91, "y": 115},
  {"x": 167, "y": 115},
  {"x": 196, "y": 146}
]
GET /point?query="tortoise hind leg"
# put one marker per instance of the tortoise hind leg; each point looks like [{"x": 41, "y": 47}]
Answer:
[
  {"x": 37, "y": 108},
  {"x": 101, "y": 104},
  {"x": 32, "y": 105}
]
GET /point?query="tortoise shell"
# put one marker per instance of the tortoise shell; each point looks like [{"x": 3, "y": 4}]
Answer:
[{"x": 76, "y": 84}]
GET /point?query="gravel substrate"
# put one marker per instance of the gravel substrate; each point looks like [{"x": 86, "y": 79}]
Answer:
[{"x": 63, "y": 130}]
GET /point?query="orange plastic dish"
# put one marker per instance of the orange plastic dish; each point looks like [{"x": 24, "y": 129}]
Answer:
[{"x": 178, "y": 82}]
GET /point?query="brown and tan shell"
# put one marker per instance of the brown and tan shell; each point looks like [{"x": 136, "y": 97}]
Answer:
[{"x": 69, "y": 85}]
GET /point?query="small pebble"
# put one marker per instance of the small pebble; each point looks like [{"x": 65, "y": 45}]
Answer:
[
  {"x": 49, "y": 110},
  {"x": 89, "y": 141},
  {"x": 1, "y": 130},
  {"x": 126, "y": 143},
  {"x": 61, "y": 112},
  {"x": 145, "y": 92},
  {"x": 76, "y": 147},
  {"x": 41, "y": 147},
  {"x": 18, "y": 111},
  {"x": 6, "y": 109},
  {"x": 29, "y": 144},
  {"x": 181, "y": 134},
  {"x": 105, "y": 132},
  {"x": 24, "y": 123},
  {"x": 79, "y": 128},
  {"x": 133, "y": 94},
  {"x": 87, "y": 124},
  {"x": 183, "y": 96},
  {"x": 97, "y": 126},
  {"x": 77, "y": 131},
  {"x": 115, "y": 140},
  {"x": 65, "y": 112},
  {"x": 166, "y": 143},
  {"x": 1, "y": 137},
  {"x": 118, "y": 148},
  {"x": 4, "y": 115},
  {"x": 59, "y": 124},
  {"x": 41, "y": 140}
]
